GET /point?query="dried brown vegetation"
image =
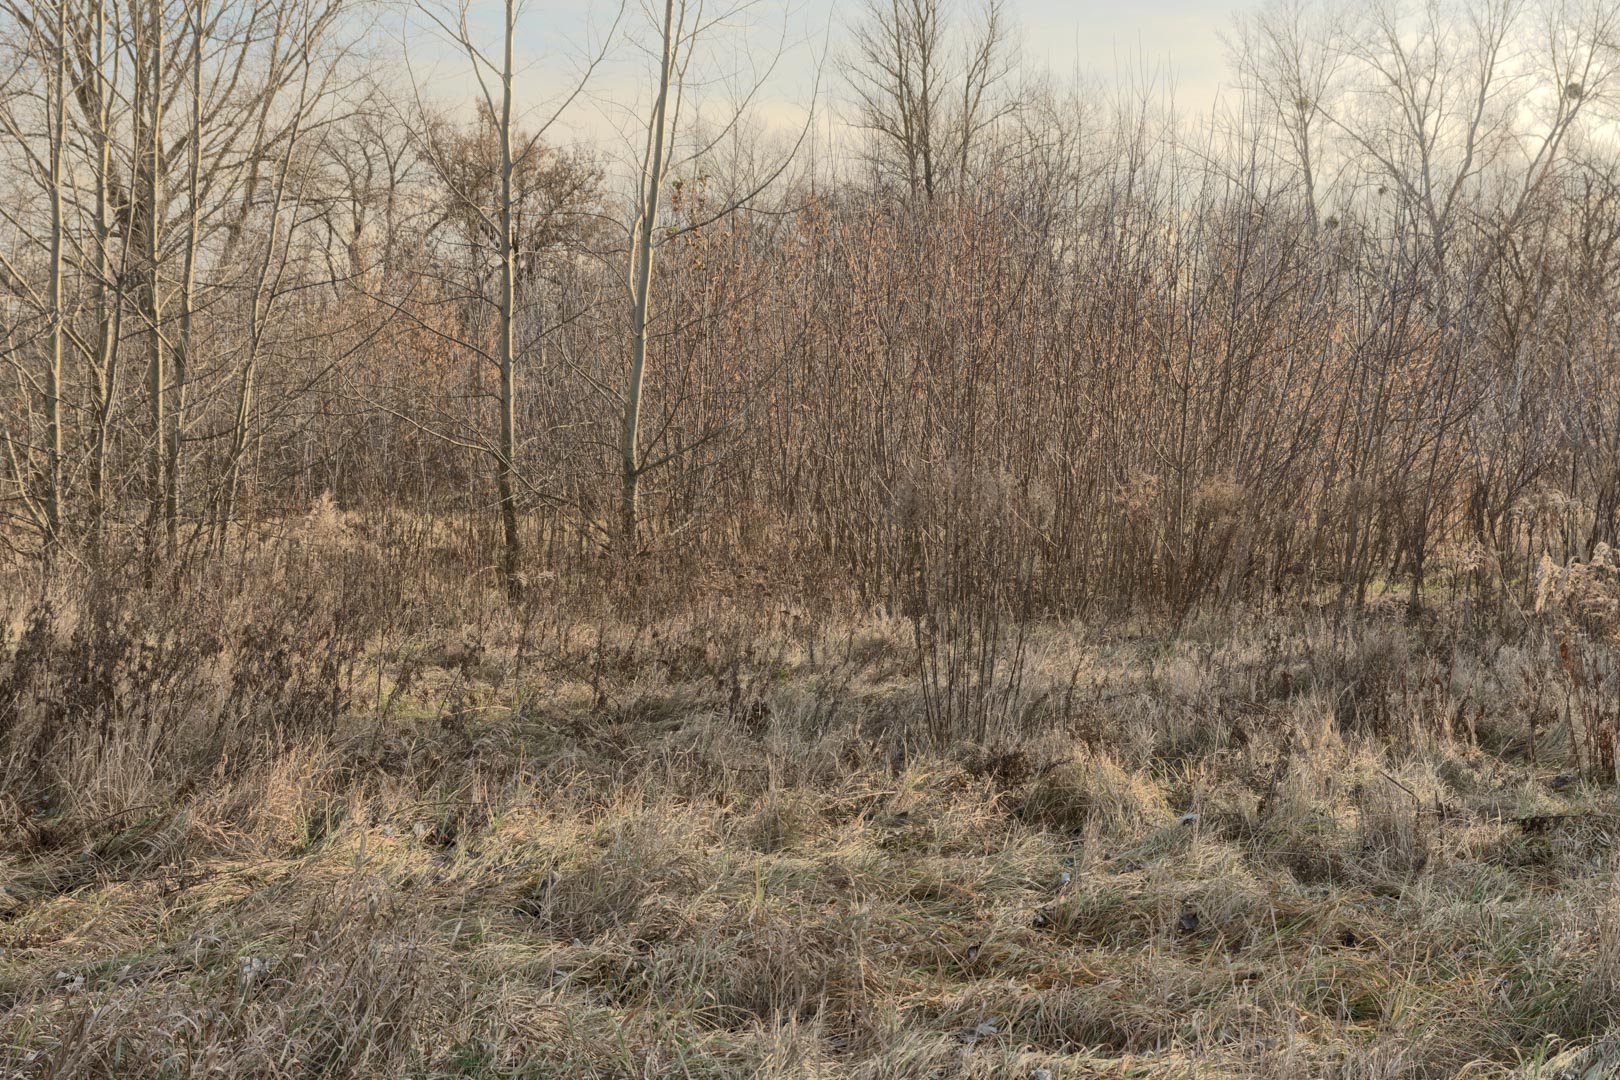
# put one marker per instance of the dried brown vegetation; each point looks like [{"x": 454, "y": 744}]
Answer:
[
  {"x": 1041, "y": 588},
  {"x": 291, "y": 819}
]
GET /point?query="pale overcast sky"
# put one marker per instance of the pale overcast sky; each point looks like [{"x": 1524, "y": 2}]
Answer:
[
  {"x": 1179, "y": 38},
  {"x": 1176, "y": 41}
]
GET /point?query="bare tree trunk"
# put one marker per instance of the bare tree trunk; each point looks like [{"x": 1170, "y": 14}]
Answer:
[
  {"x": 258, "y": 319},
  {"x": 150, "y": 156},
  {"x": 233, "y": 466},
  {"x": 653, "y": 167},
  {"x": 182, "y": 352},
  {"x": 53, "y": 367},
  {"x": 109, "y": 293},
  {"x": 511, "y": 551}
]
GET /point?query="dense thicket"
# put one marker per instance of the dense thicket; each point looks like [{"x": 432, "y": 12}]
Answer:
[{"x": 1015, "y": 347}]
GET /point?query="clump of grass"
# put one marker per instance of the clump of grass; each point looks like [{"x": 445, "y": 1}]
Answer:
[
  {"x": 779, "y": 820},
  {"x": 1094, "y": 791}
]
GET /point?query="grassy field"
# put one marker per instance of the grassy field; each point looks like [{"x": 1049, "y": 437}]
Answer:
[{"x": 244, "y": 837}]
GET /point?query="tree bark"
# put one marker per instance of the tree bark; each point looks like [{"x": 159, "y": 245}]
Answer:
[
  {"x": 641, "y": 258},
  {"x": 511, "y": 545}
]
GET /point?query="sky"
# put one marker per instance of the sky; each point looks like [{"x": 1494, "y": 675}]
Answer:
[
  {"x": 1177, "y": 39},
  {"x": 1175, "y": 42}
]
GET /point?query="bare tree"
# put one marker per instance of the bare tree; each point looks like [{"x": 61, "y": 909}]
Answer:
[
  {"x": 679, "y": 32},
  {"x": 926, "y": 94},
  {"x": 496, "y": 218},
  {"x": 150, "y": 209},
  {"x": 36, "y": 466},
  {"x": 1290, "y": 53}
]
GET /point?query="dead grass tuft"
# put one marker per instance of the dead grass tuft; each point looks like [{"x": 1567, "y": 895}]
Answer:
[{"x": 1095, "y": 791}]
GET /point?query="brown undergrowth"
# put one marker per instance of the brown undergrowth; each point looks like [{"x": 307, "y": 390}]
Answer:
[{"x": 308, "y": 828}]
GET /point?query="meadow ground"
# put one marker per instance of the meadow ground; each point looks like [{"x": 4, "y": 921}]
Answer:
[{"x": 243, "y": 837}]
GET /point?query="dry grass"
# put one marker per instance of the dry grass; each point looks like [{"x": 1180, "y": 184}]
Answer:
[{"x": 721, "y": 844}]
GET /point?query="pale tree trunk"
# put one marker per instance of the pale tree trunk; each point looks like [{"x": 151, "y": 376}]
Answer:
[
  {"x": 188, "y": 286},
  {"x": 1307, "y": 168},
  {"x": 53, "y": 366},
  {"x": 653, "y": 167},
  {"x": 150, "y": 198},
  {"x": 258, "y": 322},
  {"x": 511, "y": 550},
  {"x": 500, "y": 223},
  {"x": 108, "y": 291},
  {"x": 678, "y": 38},
  {"x": 239, "y": 437}
]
